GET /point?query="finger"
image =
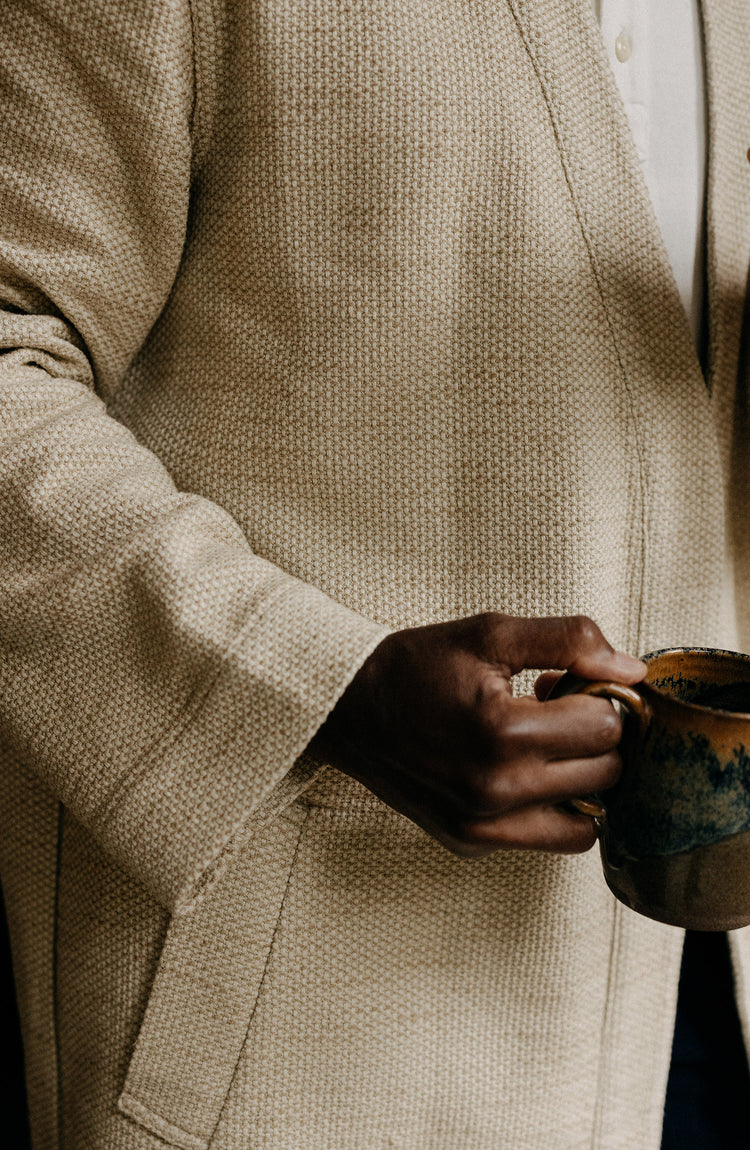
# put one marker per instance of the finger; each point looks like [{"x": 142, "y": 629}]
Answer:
[
  {"x": 545, "y": 828},
  {"x": 545, "y": 683},
  {"x": 542, "y": 828},
  {"x": 572, "y": 642},
  {"x": 571, "y": 726},
  {"x": 530, "y": 783}
]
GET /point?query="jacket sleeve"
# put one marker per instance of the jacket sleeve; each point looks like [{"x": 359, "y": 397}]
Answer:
[{"x": 158, "y": 675}]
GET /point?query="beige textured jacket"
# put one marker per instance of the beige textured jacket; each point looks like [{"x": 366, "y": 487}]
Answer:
[{"x": 322, "y": 319}]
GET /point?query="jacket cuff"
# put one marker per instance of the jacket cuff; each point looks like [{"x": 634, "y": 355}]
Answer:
[{"x": 236, "y": 742}]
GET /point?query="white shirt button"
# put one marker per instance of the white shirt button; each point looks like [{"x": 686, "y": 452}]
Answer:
[{"x": 623, "y": 47}]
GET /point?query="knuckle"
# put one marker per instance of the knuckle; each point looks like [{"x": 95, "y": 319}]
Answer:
[
  {"x": 493, "y": 710},
  {"x": 477, "y": 793},
  {"x": 485, "y": 703},
  {"x": 611, "y": 766},
  {"x": 493, "y": 620},
  {"x": 609, "y": 728},
  {"x": 489, "y": 725},
  {"x": 584, "y": 632},
  {"x": 514, "y": 732},
  {"x": 502, "y": 743},
  {"x": 489, "y": 632},
  {"x": 481, "y": 627},
  {"x": 520, "y": 786}
]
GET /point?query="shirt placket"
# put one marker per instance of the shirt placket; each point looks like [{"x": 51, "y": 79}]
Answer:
[{"x": 625, "y": 31}]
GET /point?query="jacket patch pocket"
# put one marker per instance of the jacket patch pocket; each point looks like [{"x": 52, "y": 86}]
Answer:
[{"x": 209, "y": 978}]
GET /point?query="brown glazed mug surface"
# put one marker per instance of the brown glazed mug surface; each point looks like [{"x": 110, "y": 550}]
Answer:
[{"x": 674, "y": 832}]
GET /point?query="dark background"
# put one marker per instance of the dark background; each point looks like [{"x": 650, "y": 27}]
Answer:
[{"x": 12, "y": 1088}]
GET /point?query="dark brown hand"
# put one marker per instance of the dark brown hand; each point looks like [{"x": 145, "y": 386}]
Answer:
[{"x": 430, "y": 725}]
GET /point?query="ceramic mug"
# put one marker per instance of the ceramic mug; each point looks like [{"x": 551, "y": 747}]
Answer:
[{"x": 674, "y": 832}]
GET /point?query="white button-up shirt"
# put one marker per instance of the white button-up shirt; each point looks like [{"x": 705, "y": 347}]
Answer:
[{"x": 656, "y": 51}]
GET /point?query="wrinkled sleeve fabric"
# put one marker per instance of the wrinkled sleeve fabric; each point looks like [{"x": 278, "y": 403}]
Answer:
[{"x": 159, "y": 676}]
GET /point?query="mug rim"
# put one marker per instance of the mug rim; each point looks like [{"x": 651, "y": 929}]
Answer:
[{"x": 721, "y": 652}]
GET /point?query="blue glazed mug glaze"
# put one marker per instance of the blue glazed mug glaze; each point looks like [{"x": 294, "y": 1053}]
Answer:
[{"x": 675, "y": 830}]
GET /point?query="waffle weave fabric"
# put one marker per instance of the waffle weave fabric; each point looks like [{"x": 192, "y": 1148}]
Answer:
[{"x": 321, "y": 320}]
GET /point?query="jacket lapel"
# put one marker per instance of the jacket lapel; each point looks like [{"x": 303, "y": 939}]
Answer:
[
  {"x": 608, "y": 187},
  {"x": 727, "y": 39}
]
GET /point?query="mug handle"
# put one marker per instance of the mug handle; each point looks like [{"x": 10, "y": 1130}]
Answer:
[{"x": 628, "y": 696}]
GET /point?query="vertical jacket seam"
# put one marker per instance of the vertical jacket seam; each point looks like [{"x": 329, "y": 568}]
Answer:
[
  {"x": 597, "y": 1142},
  {"x": 194, "y": 105}
]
